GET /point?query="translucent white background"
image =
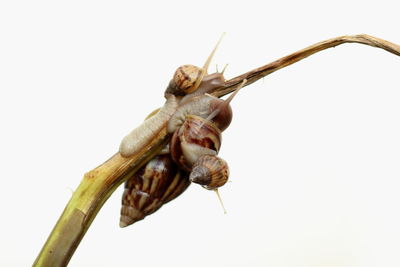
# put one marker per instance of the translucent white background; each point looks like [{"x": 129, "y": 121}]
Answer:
[{"x": 314, "y": 149}]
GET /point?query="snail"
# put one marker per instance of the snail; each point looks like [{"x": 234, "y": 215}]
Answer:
[
  {"x": 195, "y": 120},
  {"x": 188, "y": 78}
]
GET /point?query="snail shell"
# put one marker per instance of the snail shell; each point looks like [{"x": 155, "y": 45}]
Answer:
[
  {"x": 210, "y": 171},
  {"x": 186, "y": 79},
  {"x": 155, "y": 184},
  {"x": 196, "y": 137}
]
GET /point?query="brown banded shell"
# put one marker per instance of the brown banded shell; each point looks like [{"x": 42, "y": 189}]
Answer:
[
  {"x": 185, "y": 80},
  {"x": 155, "y": 184},
  {"x": 210, "y": 171},
  {"x": 196, "y": 137}
]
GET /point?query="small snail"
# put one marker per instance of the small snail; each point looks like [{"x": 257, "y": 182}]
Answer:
[
  {"x": 187, "y": 78},
  {"x": 210, "y": 171},
  {"x": 195, "y": 120}
]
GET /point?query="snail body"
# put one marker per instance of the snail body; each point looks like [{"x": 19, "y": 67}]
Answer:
[
  {"x": 186, "y": 79},
  {"x": 149, "y": 128}
]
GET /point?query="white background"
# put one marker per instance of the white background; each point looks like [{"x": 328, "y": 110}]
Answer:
[{"x": 314, "y": 148}]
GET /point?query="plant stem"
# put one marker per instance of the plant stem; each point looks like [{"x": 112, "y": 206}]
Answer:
[
  {"x": 95, "y": 188},
  {"x": 263, "y": 71},
  {"x": 98, "y": 184}
]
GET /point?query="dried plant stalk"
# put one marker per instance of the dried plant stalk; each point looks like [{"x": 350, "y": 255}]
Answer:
[
  {"x": 263, "y": 71},
  {"x": 98, "y": 184}
]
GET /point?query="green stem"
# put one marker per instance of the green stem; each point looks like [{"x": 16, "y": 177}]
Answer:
[{"x": 95, "y": 188}]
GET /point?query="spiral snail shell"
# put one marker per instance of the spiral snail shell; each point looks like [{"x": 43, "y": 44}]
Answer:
[
  {"x": 155, "y": 184},
  {"x": 210, "y": 171},
  {"x": 185, "y": 80}
]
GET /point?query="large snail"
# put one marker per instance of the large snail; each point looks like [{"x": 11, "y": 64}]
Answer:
[
  {"x": 195, "y": 121},
  {"x": 155, "y": 184}
]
